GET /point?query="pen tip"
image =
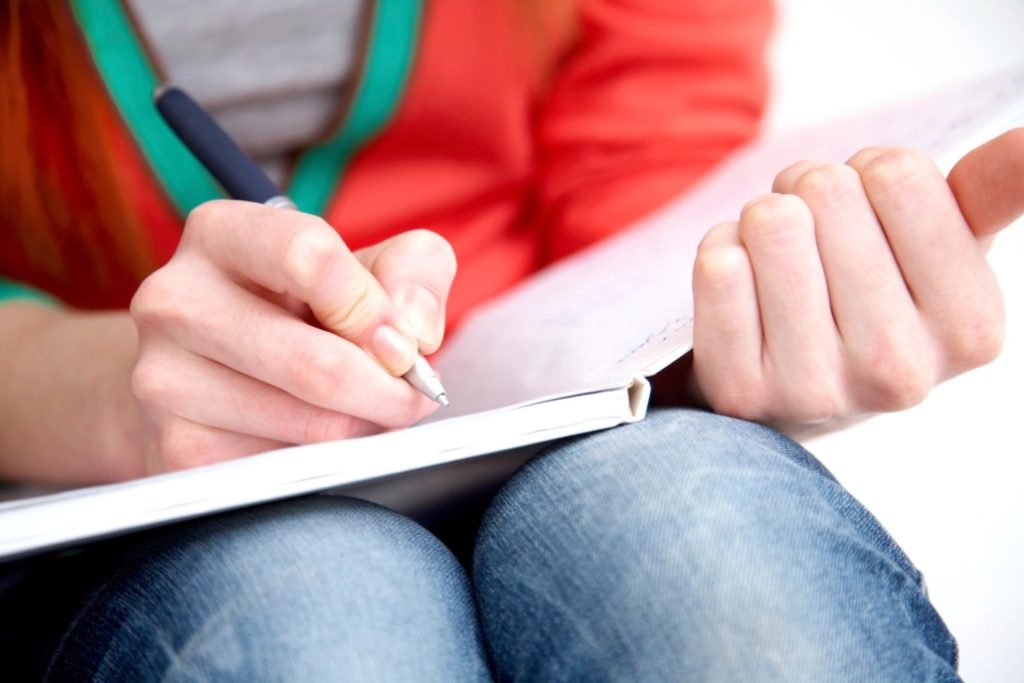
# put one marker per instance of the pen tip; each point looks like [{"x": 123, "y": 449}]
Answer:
[{"x": 442, "y": 399}]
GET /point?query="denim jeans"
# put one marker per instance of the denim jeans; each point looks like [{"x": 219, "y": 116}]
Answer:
[{"x": 689, "y": 547}]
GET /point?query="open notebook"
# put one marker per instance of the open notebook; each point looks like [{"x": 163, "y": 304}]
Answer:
[{"x": 565, "y": 353}]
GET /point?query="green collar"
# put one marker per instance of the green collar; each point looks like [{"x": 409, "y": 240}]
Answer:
[{"x": 130, "y": 78}]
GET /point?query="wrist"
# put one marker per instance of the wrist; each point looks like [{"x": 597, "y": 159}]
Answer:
[
  {"x": 66, "y": 413},
  {"x": 118, "y": 439}
]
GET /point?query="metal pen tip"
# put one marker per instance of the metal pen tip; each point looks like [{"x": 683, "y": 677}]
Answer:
[{"x": 422, "y": 377}]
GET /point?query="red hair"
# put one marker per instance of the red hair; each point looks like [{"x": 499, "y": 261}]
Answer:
[{"x": 63, "y": 206}]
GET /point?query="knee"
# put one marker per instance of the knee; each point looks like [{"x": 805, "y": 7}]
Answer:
[
  {"x": 689, "y": 476},
  {"x": 311, "y": 588},
  {"x": 330, "y": 547},
  {"x": 683, "y": 499},
  {"x": 666, "y": 543}
]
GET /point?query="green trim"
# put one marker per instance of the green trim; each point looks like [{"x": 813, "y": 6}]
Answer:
[
  {"x": 15, "y": 291},
  {"x": 392, "y": 47},
  {"x": 131, "y": 79}
]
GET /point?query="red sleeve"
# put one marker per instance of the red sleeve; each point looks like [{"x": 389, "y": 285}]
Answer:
[{"x": 653, "y": 94}]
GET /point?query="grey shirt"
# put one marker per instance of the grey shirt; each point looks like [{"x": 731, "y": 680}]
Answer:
[{"x": 270, "y": 71}]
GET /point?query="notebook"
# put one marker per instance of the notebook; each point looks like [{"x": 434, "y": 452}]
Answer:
[{"x": 569, "y": 351}]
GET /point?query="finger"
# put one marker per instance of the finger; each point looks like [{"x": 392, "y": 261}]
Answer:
[
  {"x": 171, "y": 380},
  {"x": 884, "y": 342},
  {"x": 416, "y": 269},
  {"x": 238, "y": 329},
  {"x": 941, "y": 261},
  {"x": 182, "y": 444},
  {"x": 801, "y": 347},
  {"x": 988, "y": 183},
  {"x": 786, "y": 179},
  {"x": 727, "y": 325},
  {"x": 299, "y": 255}
]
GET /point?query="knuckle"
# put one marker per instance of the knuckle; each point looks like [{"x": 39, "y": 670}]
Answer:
[
  {"x": 419, "y": 246},
  {"x": 149, "y": 384},
  {"x": 901, "y": 388},
  {"x": 773, "y": 216},
  {"x": 719, "y": 264},
  {"x": 309, "y": 253},
  {"x": 764, "y": 208},
  {"x": 826, "y": 182},
  {"x": 866, "y": 154},
  {"x": 183, "y": 447},
  {"x": 319, "y": 375},
  {"x": 894, "y": 168},
  {"x": 895, "y": 375},
  {"x": 204, "y": 218},
  {"x": 361, "y": 309},
  {"x": 720, "y": 235},
  {"x": 158, "y": 300},
  {"x": 145, "y": 297},
  {"x": 429, "y": 244},
  {"x": 444, "y": 257},
  {"x": 978, "y": 338},
  {"x": 784, "y": 179}
]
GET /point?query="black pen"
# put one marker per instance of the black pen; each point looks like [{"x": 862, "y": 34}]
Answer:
[{"x": 242, "y": 179}]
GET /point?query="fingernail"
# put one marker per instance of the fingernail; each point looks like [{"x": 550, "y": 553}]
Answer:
[
  {"x": 422, "y": 310},
  {"x": 392, "y": 349}
]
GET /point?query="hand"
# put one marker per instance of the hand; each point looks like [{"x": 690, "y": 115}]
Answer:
[
  {"x": 265, "y": 330},
  {"x": 856, "y": 287}
]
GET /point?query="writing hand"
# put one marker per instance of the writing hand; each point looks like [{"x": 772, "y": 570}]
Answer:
[
  {"x": 264, "y": 330},
  {"x": 856, "y": 287}
]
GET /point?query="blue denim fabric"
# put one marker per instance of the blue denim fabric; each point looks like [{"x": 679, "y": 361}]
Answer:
[
  {"x": 315, "y": 589},
  {"x": 694, "y": 547},
  {"x": 689, "y": 547}
]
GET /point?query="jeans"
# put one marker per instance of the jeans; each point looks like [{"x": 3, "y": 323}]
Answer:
[{"x": 688, "y": 547}]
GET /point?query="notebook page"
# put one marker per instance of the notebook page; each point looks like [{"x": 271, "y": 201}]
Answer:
[
  {"x": 624, "y": 307},
  {"x": 102, "y": 510}
]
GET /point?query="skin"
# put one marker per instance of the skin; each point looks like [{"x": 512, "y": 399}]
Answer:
[
  {"x": 852, "y": 288},
  {"x": 262, "y": 330}
]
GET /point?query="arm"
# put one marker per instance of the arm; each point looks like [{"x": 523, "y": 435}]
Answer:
[{"x": 66, "y": 412}]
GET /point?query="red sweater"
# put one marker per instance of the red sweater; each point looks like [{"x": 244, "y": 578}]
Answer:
[{"x": 521, "y": 132}]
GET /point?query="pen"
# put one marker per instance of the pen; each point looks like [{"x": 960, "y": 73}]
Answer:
[{"x": 241, "y": 178}]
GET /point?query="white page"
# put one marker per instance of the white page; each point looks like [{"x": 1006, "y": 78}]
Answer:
[
  {"x": 625, "y": 307},
  {"x": 93, "y": 512}
]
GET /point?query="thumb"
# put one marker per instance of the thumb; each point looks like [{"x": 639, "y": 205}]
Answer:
[
  {"x": 416, "y": 269},
  {"x": 989, "y": 183}
]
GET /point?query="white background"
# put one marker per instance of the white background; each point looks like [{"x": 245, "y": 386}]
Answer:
[{"x": 946, "y": 478}]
